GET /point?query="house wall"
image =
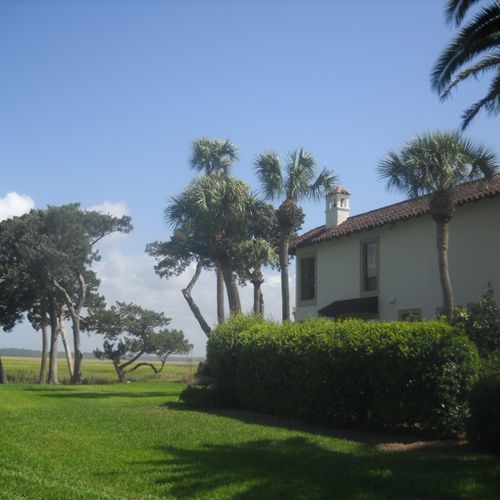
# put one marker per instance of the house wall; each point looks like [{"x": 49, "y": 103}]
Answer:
[{"x": 408, "y": 263}]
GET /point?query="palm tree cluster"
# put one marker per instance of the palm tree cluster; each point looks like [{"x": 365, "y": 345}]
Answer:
[{"x": 220, "y": 224}]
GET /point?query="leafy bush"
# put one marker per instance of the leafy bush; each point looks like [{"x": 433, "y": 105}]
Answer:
[
  {"x": 483, "y": 428},
  {"x": 346, "y": 373},
  {"x": 481, "y": 322}
]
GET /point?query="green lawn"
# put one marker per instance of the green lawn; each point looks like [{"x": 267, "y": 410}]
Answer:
[{"x": 137, "y": 441}]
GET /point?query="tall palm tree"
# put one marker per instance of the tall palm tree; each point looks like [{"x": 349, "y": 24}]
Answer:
[
  {"x": 475, "y": 50},
  {"x": 435, "y": 164},
  {"x": 214, "y": 157},
  {"x": 294, "y": 180}
]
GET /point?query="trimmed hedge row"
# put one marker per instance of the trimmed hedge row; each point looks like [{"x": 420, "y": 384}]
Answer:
[
  {"x": 483, "y": 427},
  {"x": 346, "y": 373}
]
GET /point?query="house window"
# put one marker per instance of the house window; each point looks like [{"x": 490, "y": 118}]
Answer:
[
  {"x": 308, "y": 278},
  {"x": 410, "y": 315},
  {"x": 369, "y": 266}
]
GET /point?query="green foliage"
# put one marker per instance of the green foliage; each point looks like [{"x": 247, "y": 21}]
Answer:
[
  {"x": 347, "y": 373},
  {"x": 481, "y": 322},
  {"x": 435, "y": 163},
  {"x": 483, "y": 428},
  {"x": 131, "y": 331}
]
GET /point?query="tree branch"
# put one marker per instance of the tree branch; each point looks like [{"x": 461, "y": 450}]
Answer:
[
  {"x": 131, "y": 360},
  {"x": 151, "y": 365},
  {"x": 194, "y": 308}
]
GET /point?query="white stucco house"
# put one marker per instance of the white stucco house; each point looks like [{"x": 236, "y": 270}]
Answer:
[{"x": 383, "y": 264}]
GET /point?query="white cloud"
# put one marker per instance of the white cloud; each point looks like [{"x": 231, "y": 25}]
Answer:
[
  {"x": 14, "y": 204},
  {"x": 116, "y": 209}
]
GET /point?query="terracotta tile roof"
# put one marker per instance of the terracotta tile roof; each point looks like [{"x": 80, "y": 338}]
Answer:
[{"x": 472, "y": 191}]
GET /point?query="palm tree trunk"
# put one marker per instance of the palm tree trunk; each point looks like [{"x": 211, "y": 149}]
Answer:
[
  {"x": 256, "y": 298},
  {"x": 42, "y": 379},
  {"x": 220, "y": 296},
  {"x": 53, "y": 341},
  {"x": 257, "y": 279},
  {"x": 285, "y": 289},
  {"x": 444, "y": 274},
  {"x": 186, "y": 292},
  {"x": 3, "y": 377},
  {"x": 233, "y": 295}
]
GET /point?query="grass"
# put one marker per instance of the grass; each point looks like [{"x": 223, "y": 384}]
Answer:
[
  {"x": 137, "y": 441},
  {"x": 26, "y": 370}
]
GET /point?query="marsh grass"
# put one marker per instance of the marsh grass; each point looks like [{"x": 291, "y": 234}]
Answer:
[{"x": 26, "y": 371}]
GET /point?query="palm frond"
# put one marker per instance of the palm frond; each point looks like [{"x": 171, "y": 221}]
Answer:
[
  {"x": 480, "y": 35},
  {"x": 268, "y": 169},
  {"x": 326, "y": 182},
  {"x": 299, "y": 171},
  {"x": 456, "y": 10},
  {"x": 491, "y": 102},
  {"x": 213, "y": 156},
  {"x": 486, "y": 64},
  {"x": 436, "y": 162}
]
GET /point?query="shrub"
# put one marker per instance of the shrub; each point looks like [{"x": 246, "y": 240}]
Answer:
[
  {"x": 483, "y": 428},
  {"x": 346, "y": 373},
  {"x": 481, "y": 322}
]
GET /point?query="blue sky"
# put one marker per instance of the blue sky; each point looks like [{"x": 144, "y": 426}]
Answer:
[{"x": 100, "y": 101}]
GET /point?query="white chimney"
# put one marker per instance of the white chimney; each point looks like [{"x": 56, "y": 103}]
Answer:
[{"x": 337, "y": 207}]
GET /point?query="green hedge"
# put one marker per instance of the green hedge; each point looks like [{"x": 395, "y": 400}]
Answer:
[
  {"x": 483, "y": 428},
  {"x": 346, "y": 373}
]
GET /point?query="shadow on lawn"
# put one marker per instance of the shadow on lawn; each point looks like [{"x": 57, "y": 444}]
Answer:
[
  {"x": 72, "y": 393},
  {"x": 296, "y": 468},
  {"x": 379, "y": 439}
]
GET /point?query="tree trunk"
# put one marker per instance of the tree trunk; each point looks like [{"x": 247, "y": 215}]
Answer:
[
  {"x": 257, "y": 278},
  {"x": 285, "y": 290},
  {"x": 233, "y": 295},
  {"x": 119, "y": 372},
  {"x": 220, "y": 296},
  {"x": 3, "y": 377},
  {"x": 256, "y": 298},
  {"x": 77, "y": 367},
  {"x": 42, "y": 379},
  {"x": 53, "y": 341},
  {"x": 444, "y": 274},
  {"x": 64, "y": 337},
  {"x": 75, "y": 319},
  {"x": 186, "y": 292}
]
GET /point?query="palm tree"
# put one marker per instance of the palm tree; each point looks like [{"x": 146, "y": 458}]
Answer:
[
  {"x": 435, "y": 164},
  {"x": 216, "y": 211},
  {"x": 294, "y": 180},
  {"x": 251, "y": 255},
  {"x": 214, "y": 157},
  {"x": 475, "y": 50}
]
